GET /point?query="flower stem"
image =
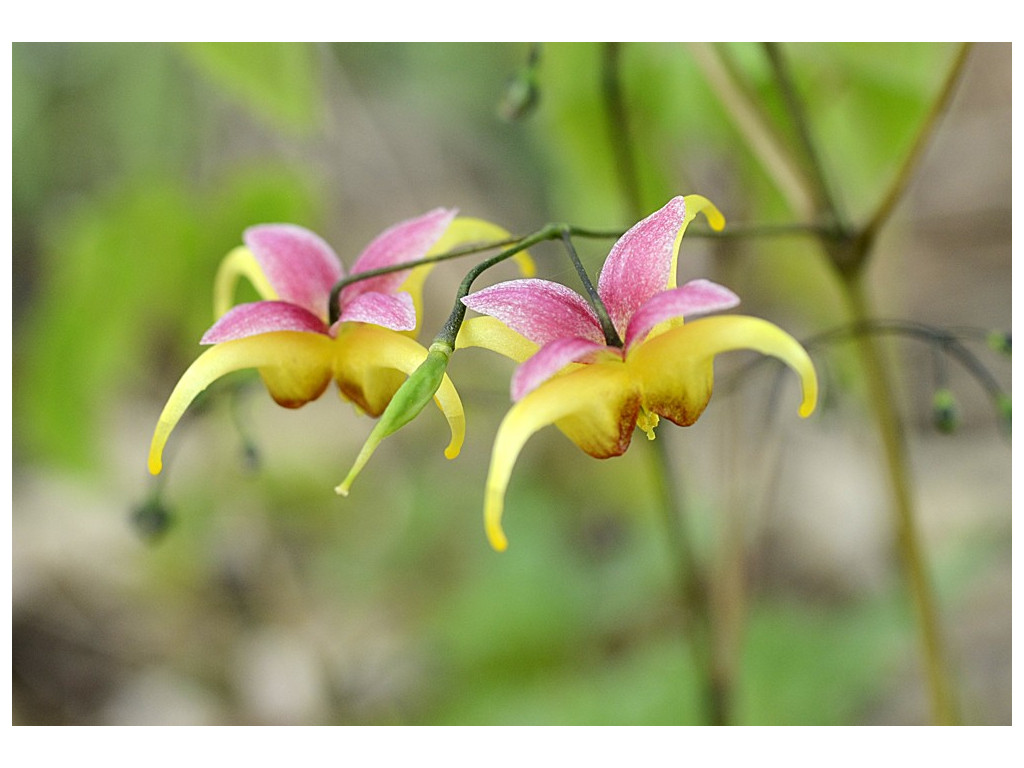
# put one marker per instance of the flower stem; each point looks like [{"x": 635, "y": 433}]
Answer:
[
  {"x": 751, "y": 119},
  {"x": 694, "y": 594},
  {"x": 611, "y": 336},
  {"x": 881, "y": 397},
  {"x": 618, "y": 124},
  {"x": 337, "y": 288},
  {"x": 821, "y": 192},
  {"x": 910, "y": 161},
  {"x": 452, "y": 325},
  {"x": 849, "y": 251}
]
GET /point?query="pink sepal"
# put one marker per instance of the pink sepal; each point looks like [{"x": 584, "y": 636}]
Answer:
[
  {"x": 697, "y": 297},
  {"x": 549, "y": 360},
  {"x": 405, "y": 241},
  {"x": 639, "y": 263},
  {"x": 298, "y": 264},
  {"x": 262, "y": 317},
  {"x": 394, "y": 311},
  {"x": 540, "y": 310}
]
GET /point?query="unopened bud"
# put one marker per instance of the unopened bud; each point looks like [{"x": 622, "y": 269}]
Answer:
[
  {"x": 152, "y": 519},
  {"x": 411, "y": 398},
  {"x": 1004, "y": 404},
  {"x": 1000, "y": 342},
  {"x": 944, "y": 411},
  {"x": 520, "y": 97}
]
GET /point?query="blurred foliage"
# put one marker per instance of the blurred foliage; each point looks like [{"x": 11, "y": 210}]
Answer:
[
  {"x": 278, "y": 81},
  {"x": 127, "y": 238},
  {"x": 137, "y": 166}
]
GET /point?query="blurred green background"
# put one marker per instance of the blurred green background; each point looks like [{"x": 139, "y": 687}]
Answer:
[{"x": 268, "y": 599}]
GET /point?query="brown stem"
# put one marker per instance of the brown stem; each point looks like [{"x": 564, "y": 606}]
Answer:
[
  {"x": 908, "y": 539},
  {"x": 695, "y": 597}
]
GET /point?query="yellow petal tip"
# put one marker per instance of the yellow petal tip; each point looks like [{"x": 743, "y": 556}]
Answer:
[
  {"x": 492, "y": 521},
  {"x": 155, "y": 460},
  {"x": 810, "y": 384}
]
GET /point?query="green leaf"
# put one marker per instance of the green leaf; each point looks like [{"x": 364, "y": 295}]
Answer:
[
  {"x": 126, "y": 295},
  {"x": 276, "y": 81}
]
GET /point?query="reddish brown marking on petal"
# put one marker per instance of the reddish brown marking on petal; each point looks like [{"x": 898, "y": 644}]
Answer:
[
  {"x": 682, "y": 408},
  {"x": 603, "y": 440},
  {"x": 680, "y": 414}
]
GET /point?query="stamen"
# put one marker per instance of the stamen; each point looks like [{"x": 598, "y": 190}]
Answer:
[{"x": 647, "y": 421}]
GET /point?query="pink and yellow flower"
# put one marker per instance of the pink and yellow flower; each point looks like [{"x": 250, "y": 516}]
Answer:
[
  {"x": 597, "y": 392},
  {"x": 289, "y": 337}
]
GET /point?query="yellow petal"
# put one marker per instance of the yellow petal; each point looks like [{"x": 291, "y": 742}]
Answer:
[
  {"x": 266, "y": 350},
  {"x": 238, "y": 263},
  {"x": 694, "y": 204},
  {"x": 466, "y": 230},
  {"x": 447, "y": 399},
  {"x": 675, "y": 370},
  {"x": 490, "y": 333},
  {"x": 299, "y": 379},
  {"x": 373, "y": 362},
  {"x": 413, "y": 285},
  {"x": 594, "y": 404}
]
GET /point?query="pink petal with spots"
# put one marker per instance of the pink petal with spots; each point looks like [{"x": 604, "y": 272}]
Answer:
[
  {"x": 549, "y": 360},
  {"x": 405, "y": 241},
  {"x": 394, "y": 311},
  {"x": 697, "y": 297},
  {"x": 262, "y": 317},
  {"x": 540, "y": 310},
  {"x": 299, "y": 265},
  {"x": 639, "y": 263}
]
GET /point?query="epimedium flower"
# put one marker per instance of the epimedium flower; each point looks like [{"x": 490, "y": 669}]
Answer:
[
  {"x": 289, "y": 337},
  {"x": 597, "y": 383}
]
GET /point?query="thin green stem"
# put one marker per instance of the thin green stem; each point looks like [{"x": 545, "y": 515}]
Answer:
[
  {"x": 942, "y": 341},
  {"x": 825, "y": 202},
  {"x": 761, "y": 136},
  {"x": 611, "y": 336},
  {"x": 887, "y": 422},
  {"x": 848, "y": 253},
  {"x": 913, "y": 157},
  {"x": 694, "y": 593},
  {"x": 450, "y": 330},
  {"x": 548, "y": 232},
  {"x": 338, "y": 287},
  {"x": 734, "y": 232},
  {"x": 618, "y": 124}
]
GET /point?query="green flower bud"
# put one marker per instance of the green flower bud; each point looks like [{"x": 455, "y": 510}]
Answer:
[
  {"x": 520, "y": 97},
  {"x": 1004, "y": 403},
  {"x": 944, "y": 411},
  {"x": 999, "y": 341},
  {"x": 412, "y": 397}
]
